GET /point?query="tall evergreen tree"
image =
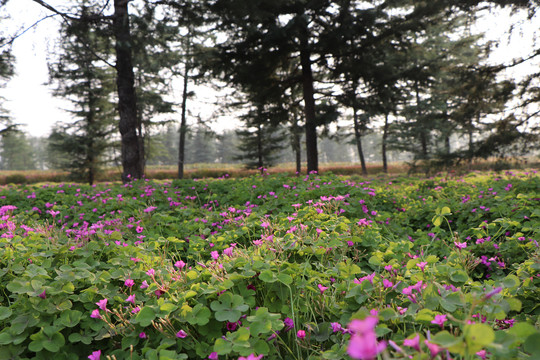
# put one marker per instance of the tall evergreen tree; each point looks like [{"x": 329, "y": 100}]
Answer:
[
  {"x": 16, "y": 153},
  {"x": 261, "y": 139},
  {"x": 89, "y": 84}
]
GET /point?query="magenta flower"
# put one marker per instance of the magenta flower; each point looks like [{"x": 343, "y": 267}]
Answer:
[
  {"x": 414, "y": 342},
  {"x": 322, "y": 288},
  {"x": 213, "y": 356},
  {"x": 387, "y": 283},
  {"x": 144, "y": 285},
  {"x": 362, "y": 327},
  {"x": 301, "y": 334},
  {"x": 482, "y": 354},
  {"x": 181, "y": 334},
  {"x": 251, "y": 357},
  {"x": 433, "y": 348},
  {"x": 422, "y": 265},
  {"x": 102, "y": 304},
  {"x": 136, "y": 309},
  {"x": 289, "y": 323},
  {"x": 363, "y": 343},
  {"x": 336, "y": 327},
  {"x": 228, "y": 251},
  {"x": 492, "y": 292},
  {"x": 265, "y": 224},
  {"x": 439, "y": 320},
  {"x": 180, "y": 264},
  {"x": 151, "y": 272},
  {"x": 139, "y": 229},
  {"x": 142, "y": 335},
  {"x": 43, "y": 295},
  {"x": 129, "y": 283},
  {"x": 131, "y": 299},
  {"x": 459, "y": 245},
  {"x": 95, "y": 314},
  {"x": 95, "y": 355},
  {"x": 214, "y": 255}
]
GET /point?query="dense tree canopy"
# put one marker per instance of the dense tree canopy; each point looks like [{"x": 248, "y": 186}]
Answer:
[{"x": 410, "y": 70}]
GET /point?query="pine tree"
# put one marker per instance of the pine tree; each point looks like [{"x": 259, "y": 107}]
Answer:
[
  {"x": 16, "y": 153},
  {"x": 261, "y": 139},
  {"x": 89, "y": 84}
]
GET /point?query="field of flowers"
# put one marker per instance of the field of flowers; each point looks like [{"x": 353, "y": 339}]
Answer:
[{"x": 273, "y": 267}]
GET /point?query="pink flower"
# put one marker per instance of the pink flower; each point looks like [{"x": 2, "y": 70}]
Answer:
[
  {"x": 144, "y": 285},
  {"x": 459, "y": 245},
  {"x": 301, "y": 334},
  {"x": 142, "y": 335},
  {"x": 422, "y": 265},
  {"x": 181, "y": 334},
  {"x": 439, "y": 320},
  {"x": 492, "y": 292},
  {"x": 251, "y": 357},
  {"x": 363, "y": 343},
  {"x": 213, "y": 356},
  {"x": 414, "y": 342},
  {"x": 387, "y": 283},
  {"x": 180, "y": 264},
  {"x": 214, "y": 255},
  {"x": 43, "y": 295},
  {"x": 322, "y": 288},
  {"x": 131, "y": 299},
  {"x": 102, "y": 304},
  {"x": 265, "y": 224},
  {"x": 95, "y": 314},
  {"x": 482, "y": 354},
  {"x": 139, "y": 229},
  {"x": 151, "y": 272},
  {"x": 129, "y": 283},
  {"x": 228, "y": 251},
  {"x": 136, "y": 309},
  {"x": 433, "y": 348},
  {"x": 95, "y": 355},
  {"x": 362, "y": 327}
]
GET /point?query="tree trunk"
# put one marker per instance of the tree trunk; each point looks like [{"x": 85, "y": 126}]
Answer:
[
  {"x": 309, "y": 107},
  {"x": 260, "y": 148},
  {"x": 358, "y": 139},
  {"x": 384, "y": 137},
  {"x": 423, "y": 137},
  {"x": 183, "y": 125},
  {"x": 132, "y": 151}
]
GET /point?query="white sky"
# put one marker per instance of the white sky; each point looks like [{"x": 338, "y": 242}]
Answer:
[{"x": 30, "y": 102}]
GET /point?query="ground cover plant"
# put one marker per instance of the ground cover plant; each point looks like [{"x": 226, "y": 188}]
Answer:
[{"x": 273, "y": 267}]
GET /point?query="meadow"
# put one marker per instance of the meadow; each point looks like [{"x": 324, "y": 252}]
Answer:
[{"x": 273, "y": 266}]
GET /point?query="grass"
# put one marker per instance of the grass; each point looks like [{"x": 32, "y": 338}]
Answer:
[{"x": 211, "y": 170}]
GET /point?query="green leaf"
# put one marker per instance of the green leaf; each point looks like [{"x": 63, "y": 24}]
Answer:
[
  {"x": 511, "y": 281},
  {"x": 145, "y": 316},
  {"x": 222, "y": 346},
  {"x": 267, "y": 276},
  {"x": 229, "y": 307},
  {"x": 478, "y": 336},
  {"x": 425, "y": 315},
  {"x": 522, "y": 330},
  {"x": 445, "y": 339},
  {"x": 459, "y": 276},
  {"x": 446, "y": 211},
  {"x": 437, "y": 220},
  {"x": 5, "y": 312},
  {"x": 532, "y": 345},
  {"x": 285, "y": 279},
  {"x": 70, "y": 318}
]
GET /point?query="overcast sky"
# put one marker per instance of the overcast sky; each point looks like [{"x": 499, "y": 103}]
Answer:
[{"x": 30, "y": 102}]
